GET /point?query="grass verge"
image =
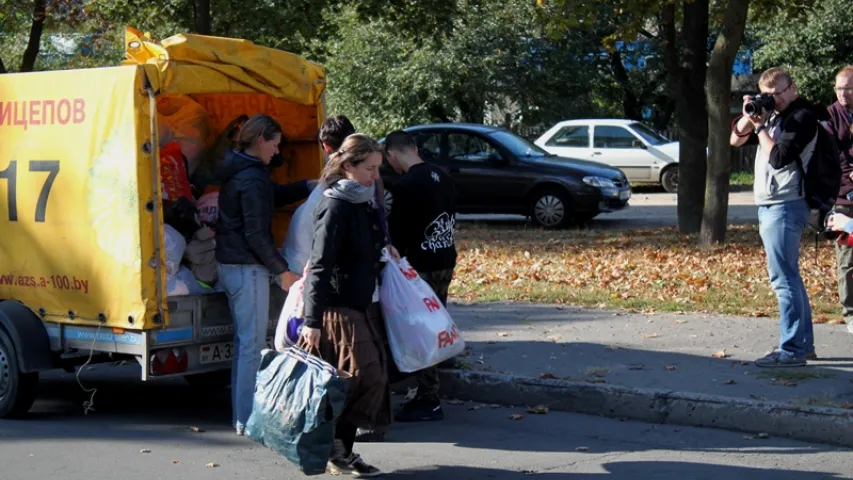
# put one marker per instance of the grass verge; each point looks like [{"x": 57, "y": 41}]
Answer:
[{"x": 648, "y": 271}]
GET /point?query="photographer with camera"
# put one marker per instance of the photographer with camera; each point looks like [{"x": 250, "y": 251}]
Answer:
[
  {"x": 839, "y": 127},
  {"x": 786, "y": 129}
]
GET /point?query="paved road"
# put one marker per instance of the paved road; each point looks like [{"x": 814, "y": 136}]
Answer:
[
  {"x": 646, "y": 210},
  {"x": 58, "y": 441}
]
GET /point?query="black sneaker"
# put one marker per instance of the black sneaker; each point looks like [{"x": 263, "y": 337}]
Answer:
[
  {"x": 368, "y": 435},
  {"x": 420, "y": 410},
  {"x": 352, "y": 465}
]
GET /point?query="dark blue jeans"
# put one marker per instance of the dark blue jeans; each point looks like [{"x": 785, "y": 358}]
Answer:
[{"x": 781, "y": 227}]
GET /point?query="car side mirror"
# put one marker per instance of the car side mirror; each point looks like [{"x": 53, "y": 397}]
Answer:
[{"x": 639, "y": 144}]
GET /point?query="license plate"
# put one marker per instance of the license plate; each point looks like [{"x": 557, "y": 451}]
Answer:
[
  {"x": 220, "y": 352},
  {"x": 624, "y": 194}
]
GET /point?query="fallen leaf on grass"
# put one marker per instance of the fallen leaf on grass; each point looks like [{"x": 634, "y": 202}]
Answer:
[
  {"x": 720, "y": 354},
  {"x": 516, "y": 416},
  {"x": 145, "y": 450},
  {"x": 729, "y": 382},
  {"x": 581, "y": 449},
  {"x": 670, "y": 368},
  {"x": 538, "y": 409},
  {"x": 212, "y": 465}
]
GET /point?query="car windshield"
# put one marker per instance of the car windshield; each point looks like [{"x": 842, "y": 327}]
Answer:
[
  {"x": 648, "y": 134},
  {"x": 519, "y": 146}
]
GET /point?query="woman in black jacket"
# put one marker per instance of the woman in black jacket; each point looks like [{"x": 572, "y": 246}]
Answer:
[
  {"x": 342, "y": 316},
  {"x": 246, "y": 251}
]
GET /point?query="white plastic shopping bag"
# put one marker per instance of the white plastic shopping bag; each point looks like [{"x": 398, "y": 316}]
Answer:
[
  {"x": 291, "y": 318},
  {"x": 420, "y": 331}
]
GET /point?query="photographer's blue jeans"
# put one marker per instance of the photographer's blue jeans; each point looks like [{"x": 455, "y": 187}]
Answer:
[
  {"x": 781, "y": 227},
  {"x": 248, "y": 290}
]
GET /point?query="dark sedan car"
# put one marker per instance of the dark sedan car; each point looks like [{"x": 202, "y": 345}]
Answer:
[{"x": 497, "y": 171}]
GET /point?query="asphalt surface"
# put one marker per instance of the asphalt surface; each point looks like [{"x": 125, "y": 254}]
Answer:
[{"x": 168, "y": 430}]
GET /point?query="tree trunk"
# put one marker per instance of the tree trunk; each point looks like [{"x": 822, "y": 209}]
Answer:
[
  {"x": 692, "y": 116},
  {"x": 719, "y": 88},
  {"x": 28, "y": 63},
  {"x": 202, "y": 17},
  {"x": 630, "y": 103},
  {"x": 2, "y": 67}
]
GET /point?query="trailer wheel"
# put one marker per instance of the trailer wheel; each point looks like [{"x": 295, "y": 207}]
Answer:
[{"x": 17, "y": 390}]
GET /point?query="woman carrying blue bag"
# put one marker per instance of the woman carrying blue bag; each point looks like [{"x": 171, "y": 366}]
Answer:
[{"x": 342, "y": 316}]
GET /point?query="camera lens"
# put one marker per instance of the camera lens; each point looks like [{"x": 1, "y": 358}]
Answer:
[{"x": 750, "y": 108}]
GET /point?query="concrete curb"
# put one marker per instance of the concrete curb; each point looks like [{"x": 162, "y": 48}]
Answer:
[{"x": 816, "y": 424}]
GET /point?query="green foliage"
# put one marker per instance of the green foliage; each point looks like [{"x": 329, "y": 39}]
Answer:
[
  {"x": 495, "y": 60},
  {"x": 814, "y": 49}
]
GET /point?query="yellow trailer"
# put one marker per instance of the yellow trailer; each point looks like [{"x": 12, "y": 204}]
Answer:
[{"x": 81, "y": 222}]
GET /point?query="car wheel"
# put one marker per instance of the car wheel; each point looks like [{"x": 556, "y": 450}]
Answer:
[
  {"x": 669, "y": 179},
  {"x": 17, "y": 390},
  {"x": 550, "y": 208},
  {"x": 389, "y": 201}
]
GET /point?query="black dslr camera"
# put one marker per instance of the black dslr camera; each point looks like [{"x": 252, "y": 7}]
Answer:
[{"x": 759, "y": 104}]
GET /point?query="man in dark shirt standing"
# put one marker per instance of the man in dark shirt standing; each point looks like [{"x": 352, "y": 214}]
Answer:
[
  {"x": 839, "y": 127},
  {"x": 421, "y": 224}
]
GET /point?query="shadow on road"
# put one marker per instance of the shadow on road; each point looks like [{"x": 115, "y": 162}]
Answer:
[{"x": 622, "y": 470}]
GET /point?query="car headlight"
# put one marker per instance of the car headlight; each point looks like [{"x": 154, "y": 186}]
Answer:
[{"x": 599, "y": 182}]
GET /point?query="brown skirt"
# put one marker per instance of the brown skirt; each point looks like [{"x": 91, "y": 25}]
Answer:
[{"x": 354, "y": 342}]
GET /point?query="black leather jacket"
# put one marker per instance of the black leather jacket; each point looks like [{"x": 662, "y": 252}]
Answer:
[
  {"x": 344, "y": 266},
  {"x": 247, "y": 199}
]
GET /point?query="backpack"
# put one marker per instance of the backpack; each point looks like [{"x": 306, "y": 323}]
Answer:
[{"x": 822, "y": 180}]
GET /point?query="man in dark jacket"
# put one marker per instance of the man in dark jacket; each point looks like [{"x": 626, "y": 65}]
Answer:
[
  {"x": 421, "y": 224},
  {"x": 787, "y": 136},
  {"x": 839, "y": 125}
]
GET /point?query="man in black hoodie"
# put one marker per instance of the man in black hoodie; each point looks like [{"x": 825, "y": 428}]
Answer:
[{"x": 421, "y": 224}]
